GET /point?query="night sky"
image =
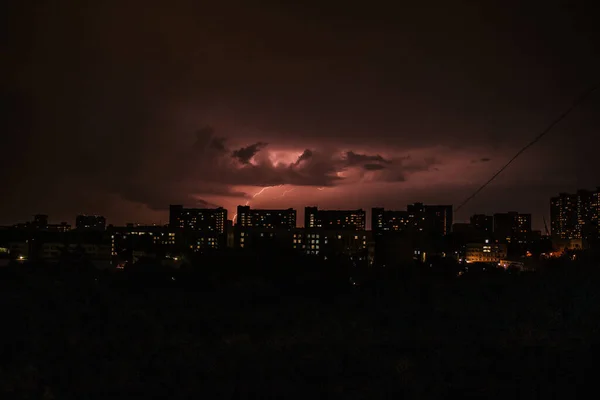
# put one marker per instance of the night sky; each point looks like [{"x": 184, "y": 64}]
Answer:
[{"x": 120, "y": 108}]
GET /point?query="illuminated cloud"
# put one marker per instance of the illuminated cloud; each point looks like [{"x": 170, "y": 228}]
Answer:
[{"x": 338, "y": 109}]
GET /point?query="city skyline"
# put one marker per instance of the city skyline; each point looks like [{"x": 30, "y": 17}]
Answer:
[
  {"x": 296, "y": 199},
  {"x": 356, "y": 219},
  {"x": 350, "y": 107}
]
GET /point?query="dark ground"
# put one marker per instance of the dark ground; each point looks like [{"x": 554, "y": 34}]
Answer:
[{"x": 500, "y": 336}]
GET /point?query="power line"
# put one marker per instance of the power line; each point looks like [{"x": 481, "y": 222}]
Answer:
[{"x": 562, "y": 116}]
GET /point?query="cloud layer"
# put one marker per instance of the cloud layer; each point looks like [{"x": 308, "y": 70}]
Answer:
[
  {"x": 212, "y": 168},
  {"x": 104, "y": 120}
]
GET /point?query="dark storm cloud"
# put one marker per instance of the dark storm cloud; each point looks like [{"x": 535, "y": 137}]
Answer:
[
  {"x": 207, "y": 140},
  {"x": 373, "y": 167},
  {"x": 306, "y": 155},
  {"x": 101, "y": 97},
  {"x": 219, "y": 144},
  {"x": 200, "y": 203},
  {"x": 354, "y": 159},
  {"x": 405, "y": 166},
  {"x": 245, "y": 154},
  {"x": 217, "y": 190}
]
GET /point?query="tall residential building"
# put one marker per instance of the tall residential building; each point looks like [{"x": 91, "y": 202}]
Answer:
[
  {"x": 269, "y": 219},
  {"x": 208, "y": 220},
  {"x": 40, "y": 222},
  {"x": 482, "y": 223},
  {"x": 440, "y": 218},
  {"x": 389, "y": 220},
  {"x": 354, "y": 220},
  {"x": 418, "y": 217},
  {"x": 62, "y": 227},
  {"x": 575, "y": 216},
  {"x": 433, "y": 219},
  {"x": 90, "y": 223},
  {"x": 512, "y": 227}
]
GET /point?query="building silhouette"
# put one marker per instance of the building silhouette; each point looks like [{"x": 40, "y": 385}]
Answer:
[
  {"x": 512, "y": 227},
  {"x": 267, "y": 219},
  {"x": 40, "y": 222},
  {"x": 575, "y": 215},
  {"x": 483, "y": 224},
  {"x": 354, "y": 220},
  {"x": 383, "y": 220},
  {"x": 431, "y": 219},
  {"x": 207, "y": 220},
  {"x": 90, "y": 223}
]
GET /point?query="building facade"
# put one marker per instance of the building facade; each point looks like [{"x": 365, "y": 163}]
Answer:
[
  {"x": 418, "y": 218},
  {"x": 512, "y": 227},
  {"x": 576, "y": 215},
  {"x": 198, "y": 219},
  {"x": 485, "y": 252},
  {"x": 265, "y": 219},
  {"x": 389, "y": 220},
  {"x": 482, "y": 223},
  {"x": 353, "y": 220},
  {"x": 152, "y": 239},
  {"x": 90, "y": 223}
]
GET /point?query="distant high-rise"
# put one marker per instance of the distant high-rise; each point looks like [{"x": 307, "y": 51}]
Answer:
[
  {"x": 62, "y": 227},
  {"x": 512, "y": 226},
  {"x": 575, "y": 216},
  {"x": 269, "y": 219},
  {"x": 418, "y": 217},
  {"x": 389, "y": 220},
  {"x": 334, "y": 219},
  {"x": 433, "y": 219},
  {"x": 90, "y": 223},
  {"x": 441, "y": 218},
  {"x": 40, "y": 222},
  {"x": 209, "y": 220},
  {"x": 482, "y": 223}
]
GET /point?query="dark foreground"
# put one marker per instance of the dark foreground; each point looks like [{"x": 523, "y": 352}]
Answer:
[{"x": 499, "y": 336}]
